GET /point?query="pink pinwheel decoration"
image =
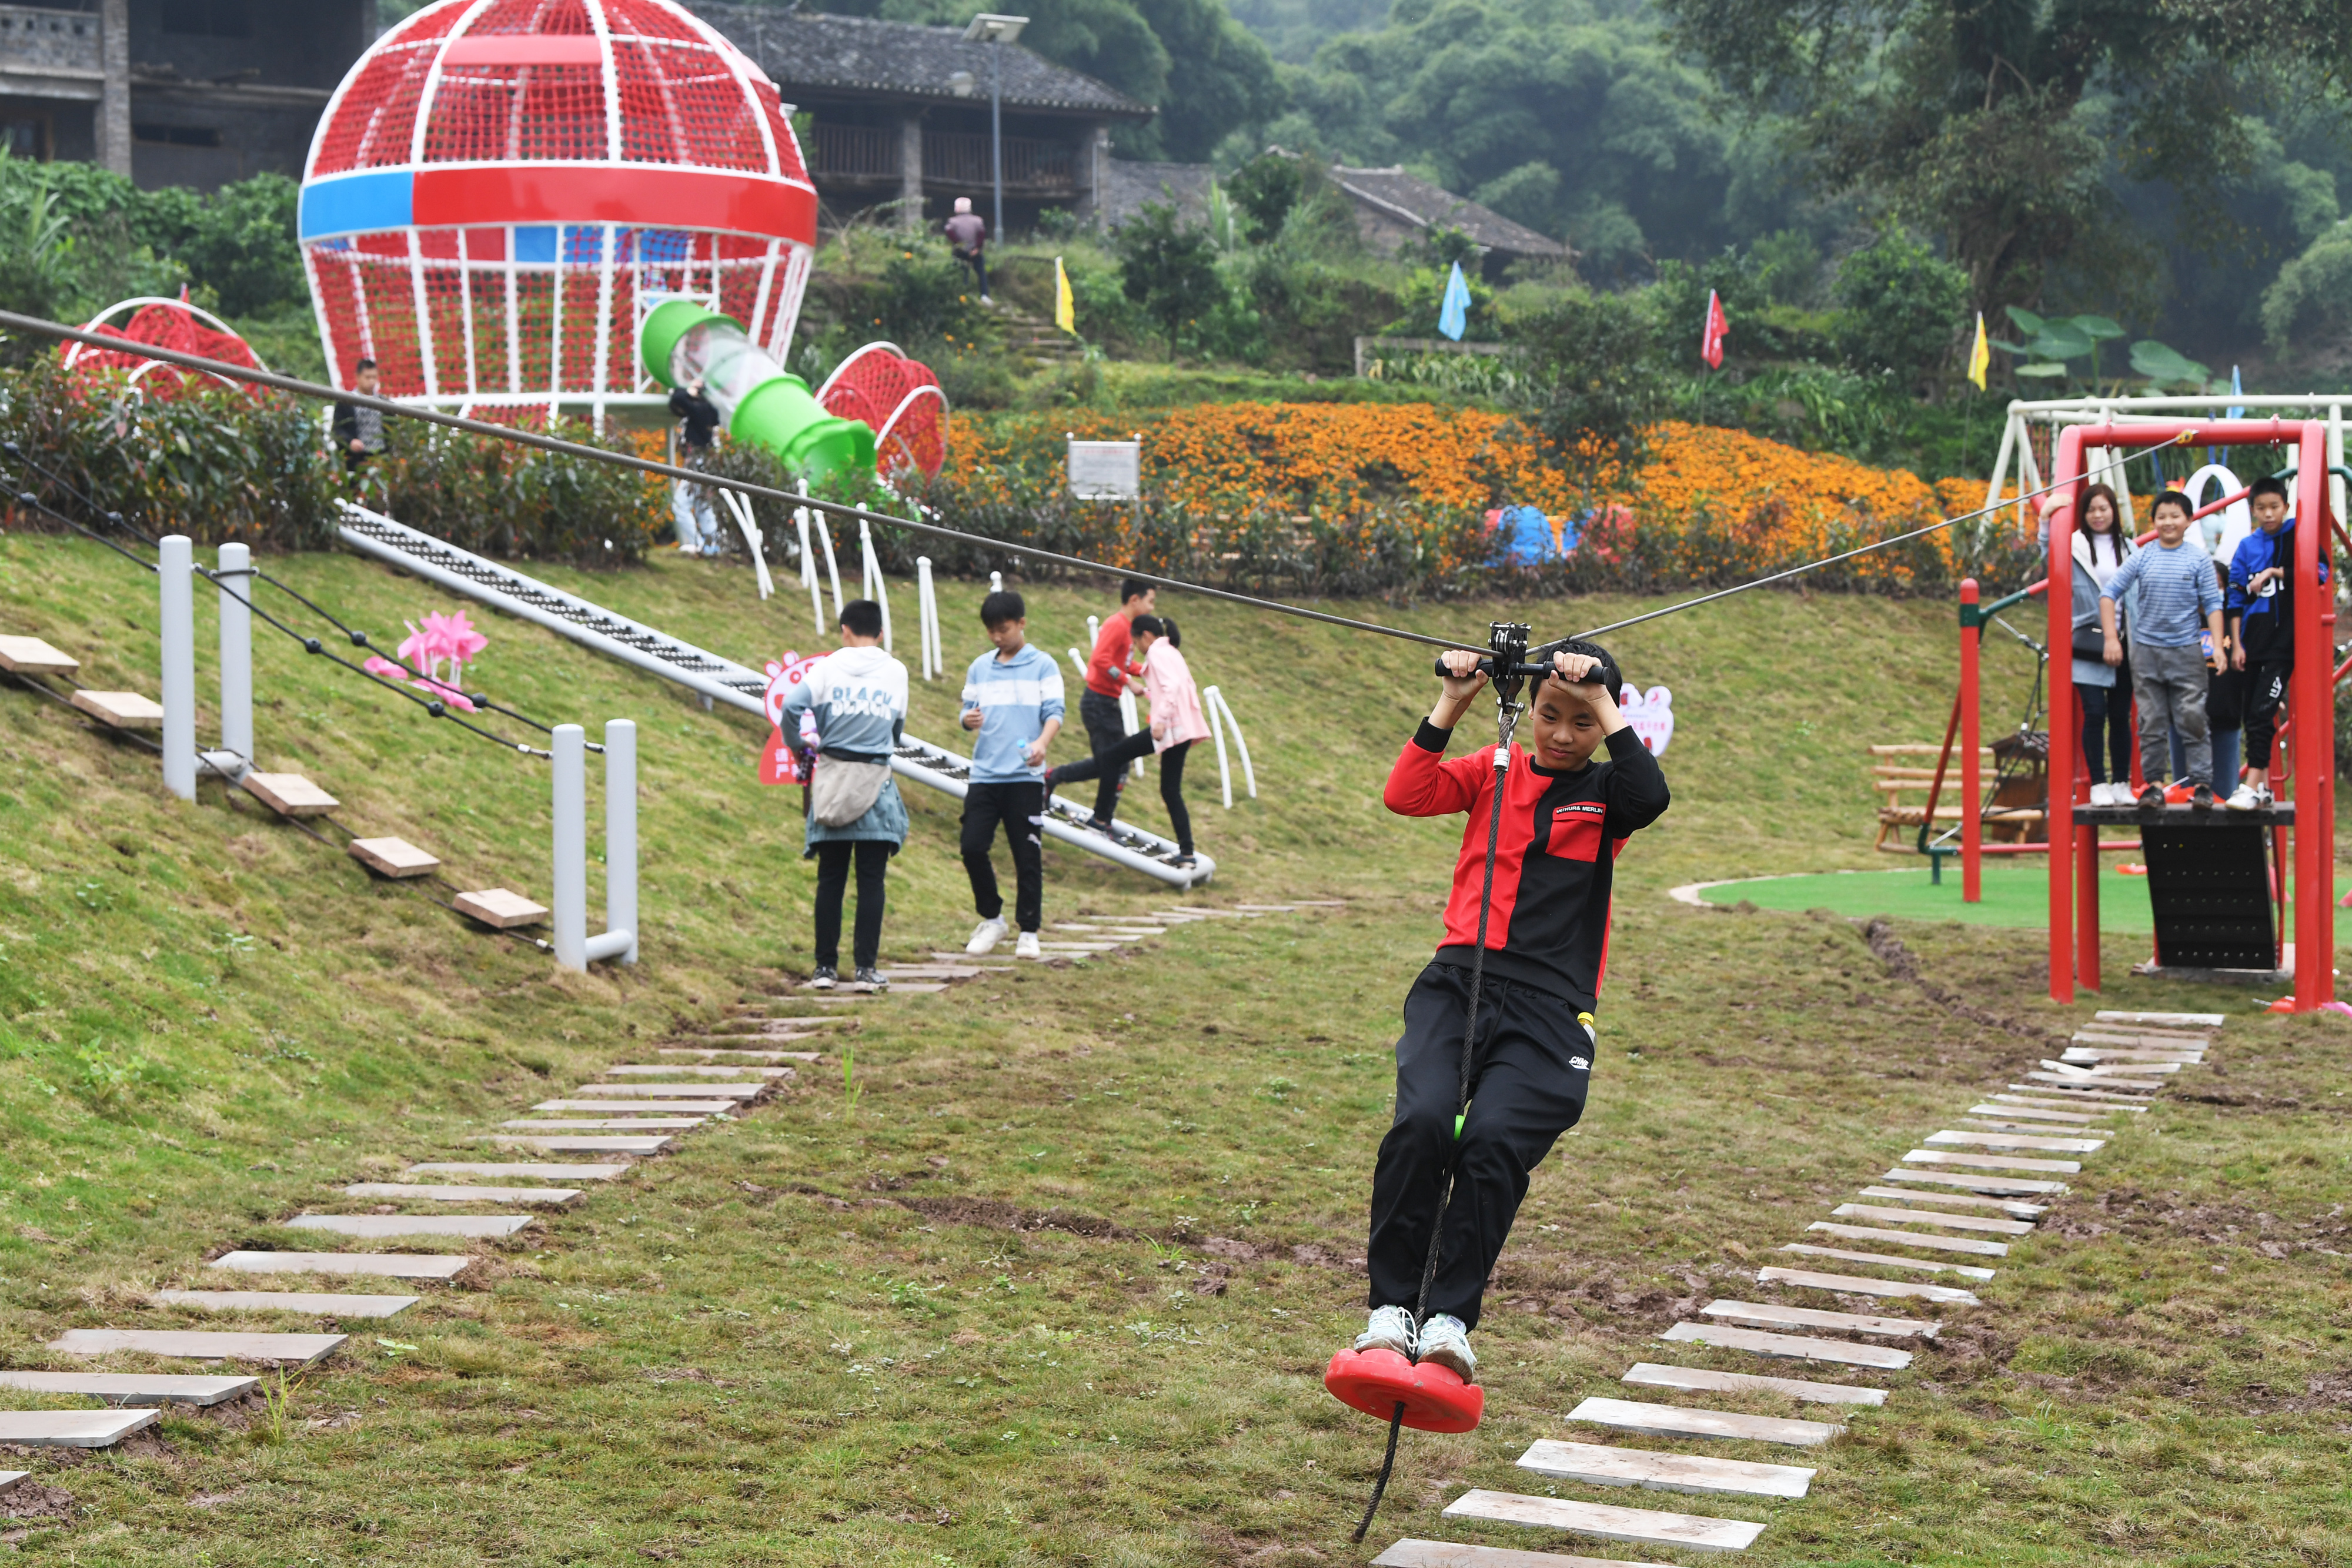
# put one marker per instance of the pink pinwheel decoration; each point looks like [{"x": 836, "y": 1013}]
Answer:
[
  {"x": 443, "y": 638},
  {"x": 383, "y": 668}
]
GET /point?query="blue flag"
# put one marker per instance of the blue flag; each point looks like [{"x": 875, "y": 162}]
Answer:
[
  {"x": 1454, "y": 316},
  {"x": 2236, "y": 390}
]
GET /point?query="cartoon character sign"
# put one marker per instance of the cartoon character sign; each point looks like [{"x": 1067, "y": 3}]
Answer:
[
  {"x": 781, "y": 763},
  {"x": 1651, "y": 715}
]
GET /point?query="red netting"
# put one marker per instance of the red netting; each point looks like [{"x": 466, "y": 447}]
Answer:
[
  {"x": 900, "y": 399},
  {"x": 166, "y": 325}
]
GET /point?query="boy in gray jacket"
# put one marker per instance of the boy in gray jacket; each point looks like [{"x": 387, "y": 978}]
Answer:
[
  {"x": 858, "y": 694},
  {"x": 2179, "y": 599}
]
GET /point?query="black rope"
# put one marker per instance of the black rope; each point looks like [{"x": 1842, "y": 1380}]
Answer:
[
  {"x": 27, "y": 499},
  {"x": 62, "y": 483},
  {"x": 496, "y": 931},
  {"x": 65, "y": 702}
]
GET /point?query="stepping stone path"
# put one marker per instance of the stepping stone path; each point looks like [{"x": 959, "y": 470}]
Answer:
[
  {"x": 378, "y": 1225},
  {"x": 2122, "y": 1062},
  {"x": 131, "y": 1388},
  {"x": 272, "y": 1349},
  {"x": 72, "y": 1429},
  {"x": 315, "y": 1303}
]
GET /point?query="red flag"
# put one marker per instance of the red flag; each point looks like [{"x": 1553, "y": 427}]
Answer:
[{"x": 1710, "y": 338}]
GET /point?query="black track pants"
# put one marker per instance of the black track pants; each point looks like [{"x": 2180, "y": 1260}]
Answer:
[
  {"x": 1105, "y": 732},
  {"x": 1530, "y": 1067},
  {"x": 1021, "y": 807},
  {"x": 1133, "y": 749},
  {"x": 833, "y": 858}
]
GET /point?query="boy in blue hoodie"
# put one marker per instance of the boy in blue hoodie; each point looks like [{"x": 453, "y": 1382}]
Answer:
[
  {"x": 1012, "y": 697},
  {"x": 2262, "y": 626}
]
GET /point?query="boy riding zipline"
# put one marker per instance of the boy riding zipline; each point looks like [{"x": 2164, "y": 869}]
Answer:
[{"x": 1517, "y": 978}]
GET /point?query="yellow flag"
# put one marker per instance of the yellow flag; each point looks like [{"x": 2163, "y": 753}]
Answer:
[
  {"x": 1065, "y": 307},
  {"x": 1979, "y": 354}
]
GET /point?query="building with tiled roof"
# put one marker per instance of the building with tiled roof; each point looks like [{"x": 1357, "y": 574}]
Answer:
[{"x": 1392, "y": 208}]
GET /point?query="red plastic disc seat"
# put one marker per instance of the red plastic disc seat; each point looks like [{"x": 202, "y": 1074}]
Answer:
[{"x": 1435, "y": 1398}]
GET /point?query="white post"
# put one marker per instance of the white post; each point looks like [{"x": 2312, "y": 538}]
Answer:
[
  {"x": 870, "y": 579},
  {"x": 831, "y": 566},
  {"x": 1217, "y": 733},
  {"x": 175, "y": 568},
  {"x": 621, "y": 835},
  {"x": 1129, "y": 722},
  {"x": 1249, "y": 774},
  {"x": 2335, "y": 460},
  {"x": 995, "y": 582},
  {"x": 927, "y": 617},
  {"x": 1079, "y": 663},
  {"x": 569, "y": 877},
  {"x": 236, "y": 651},
  {"x": 808, "y": 569}
]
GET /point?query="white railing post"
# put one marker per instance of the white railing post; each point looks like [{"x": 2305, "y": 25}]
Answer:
[
  {"x": 236, "y": 651},
  {"x": 995, "y": 582},
  {"x": 831, "y": 566},
  {"x": 927, "y": 618},
  {"x": 620, "y": 836},
  {"x": 870, "y": 579},
  {"x": 1217, "y": 733},
  {"x": 175, "y": 564},
  {"x": 569, "y": 877},
  {"x": 1249, "y": 774},
  {"x": 1128, "y": 721},
  {"x": 808, "y": 569}
]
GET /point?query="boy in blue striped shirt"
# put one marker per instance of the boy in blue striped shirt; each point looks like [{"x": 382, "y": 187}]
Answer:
[
  {"x": 2178, "y": 601},
  {"x": 1013, "y": 698}
]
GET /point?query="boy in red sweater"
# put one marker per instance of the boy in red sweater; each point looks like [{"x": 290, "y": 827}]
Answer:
[{"x": 1564, "y": 816}]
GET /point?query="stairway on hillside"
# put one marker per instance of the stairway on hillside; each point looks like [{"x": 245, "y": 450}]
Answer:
[{"x": 1034, "y": 337}]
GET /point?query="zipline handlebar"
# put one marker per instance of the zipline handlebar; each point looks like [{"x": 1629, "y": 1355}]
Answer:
[{"x": 1533, "y": 671}]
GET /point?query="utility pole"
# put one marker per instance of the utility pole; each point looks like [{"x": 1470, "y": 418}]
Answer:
[{"x": 995, "y": 31}]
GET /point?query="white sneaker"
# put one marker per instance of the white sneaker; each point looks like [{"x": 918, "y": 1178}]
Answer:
[
  {"x": 2249, "y": 796},
  {"x": 1444, "y": 1341},
  {"x": 1390, "y": 1329},
  {"x": 2103, "y": 794},
  {"x": 1027, "y": 946},
  {"x": 986, "y": 935}
]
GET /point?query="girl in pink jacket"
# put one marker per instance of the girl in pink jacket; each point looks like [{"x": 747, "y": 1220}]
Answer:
[{"x": 1177, "y": 722}]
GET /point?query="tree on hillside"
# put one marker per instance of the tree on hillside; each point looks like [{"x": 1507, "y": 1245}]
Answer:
[
  {"x": 1593, "y": 384},
  {"x": 1170, "y": 271},
  {"x": 1995, "y": 122}
]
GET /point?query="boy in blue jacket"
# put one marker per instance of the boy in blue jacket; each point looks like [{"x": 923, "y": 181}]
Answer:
[
  {"x": 1013, "y": 697},
  {"x": 2260, "y": 609}
]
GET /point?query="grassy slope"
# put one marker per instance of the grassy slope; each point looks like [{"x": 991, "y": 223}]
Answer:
[{"x": 208, "y": 1020}]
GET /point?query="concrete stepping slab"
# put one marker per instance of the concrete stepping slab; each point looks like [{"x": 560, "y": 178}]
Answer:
[
  {"x": 377, "y": 1227},
  {"x": 550, "y": 1197},
  {"x": 1970, "y": 1181},
  {"x": 133, "y": 1387},
  {"x": 1769, "y": 1315},
  {"x": 2101, "y": 1040},
  {"x": 1683, "y": 1421},
  {"x": 2108, "y": 1070},
  {"x": 1703, "y": 1380},
  {"x": 1988, "y": 1124},
  {"x": 2049, "y": 1085},
  {"x": 544, "y": 1172},
  {"x": 201, "y": 1345},
  {"x": 744, "y": 1055},
  {"x": 589, "y": 1145},
  {"x": 2017, "y": 1107},
  {"x": 8, "y": 1478},
  {"x": 1796, "y": 1347},
  {"x": 2086, "y": 1055},
  {"x": 695, "y": 1108},
  {"x": 931, "y": 972},
  {"x": 2013, "y": 1207},
  {"x": 289, "y": 794},
  {"x": 607, "y": 1124},
  {"x": 120, "y": 710},
  {"x": 2003, "y": 1162},
  {"x": 1950, "y": 1139},
  {"x": 1267, "y": 908},
  {"x": 1640, "y": 1525},
  {"x": 669, "y": 1091},
  {"x": 31, "y": 656},
  {"x": 321, "y": 1303},
  {"x": 2091, "y": 1105},
  {"x": 2178, "y": 1021},
  {"x": 395, "y": 858},
  {"x": 73, "y": 1428},
  {"x": 1601, "y": 1466},
  {"x": 1412, "y": 1552},
  {"x": 375, "y": 1265},
  {"x": 498, "y": 908},
  {"x": 1980, "y": 1223},
  {"x": 2157, "y": 1033},
  {"x": 1911, "y": 1238},
  {"x": 1857, "y": 1285},
  {"x": 1204, "y": 913},
  {"x": 1883, "y": 1260},
  {"x": 703, "y": 1069}
]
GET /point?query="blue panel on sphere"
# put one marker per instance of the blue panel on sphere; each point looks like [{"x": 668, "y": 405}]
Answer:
[
  {"x": 534, "y": 242},
  {"x": 357, "y": 204}
]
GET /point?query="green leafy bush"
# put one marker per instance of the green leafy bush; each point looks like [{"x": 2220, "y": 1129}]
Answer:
[{"x": 1901, "y": 308}]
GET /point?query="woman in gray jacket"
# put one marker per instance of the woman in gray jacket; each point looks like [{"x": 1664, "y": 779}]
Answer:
[{"x": 2103, "y": 691}]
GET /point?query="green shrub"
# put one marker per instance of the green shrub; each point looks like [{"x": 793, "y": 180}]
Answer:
[{"x": 1900, "y": 308}]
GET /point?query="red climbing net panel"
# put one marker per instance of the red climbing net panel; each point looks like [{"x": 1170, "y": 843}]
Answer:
[
  {"x": 164, "y": 324},
  {"x": 499, "y": 193},
  {"x": 900, "y": 399}
]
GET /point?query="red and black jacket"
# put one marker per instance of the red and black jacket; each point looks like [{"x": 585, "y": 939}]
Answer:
[{"x": 1549, "y": 924}]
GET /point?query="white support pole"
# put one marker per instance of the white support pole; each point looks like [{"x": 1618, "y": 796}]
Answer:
[
  {"x": 1217, "y": 734},
  {"x": 869, "y": 580},
  {"x": 831, "y": 566},
  {"x": 569, "y": 875},
  {"x": 620, "y": 840},
  {"x": 237, "y": 650},
  {"x": 175, "y": 568},
  {"x": 808, "y": 569},
  {"x": 2335, "y": 460},
  {"x": 927, "y": 617},
  {"x": 1249, "y": 774},
  {"x": 995, "y": 582},
  {"x": 2001, "y": 460},
  {"x": 1127, "y": 721},
  {"x": 1078, "y": 662},
  {"x": 740, "y": 509}
]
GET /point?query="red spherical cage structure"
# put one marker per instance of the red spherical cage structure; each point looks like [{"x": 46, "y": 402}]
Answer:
[
  {"x": 900, "y": 399},
  {"x": 500, "y": 189},
  {"x": 165, "y": 324}
]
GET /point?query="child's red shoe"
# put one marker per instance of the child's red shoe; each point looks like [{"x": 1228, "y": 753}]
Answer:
[{"x": 1376, "y": 1381}]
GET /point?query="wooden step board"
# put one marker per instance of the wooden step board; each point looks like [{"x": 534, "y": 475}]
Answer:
[
  {"x": 1797, "y": 1347},
  {"x": 695, "y": 1109},
  {"x": 1856, "y": 1285},
  {"x": 1682, "y": 1421},
  {"x": 73, "y": 1428},
  {"x": 408, "y": 1192},
  {"x": 2081, "y": 1079},
  {"x": 8, "y": 1478},
  {"x": 2016, "y": 1208},
  {"x": 1981, "y": 1224},
  {"x": 1886, "y": 1260},
  {"x": 656, "y": 1068},
  {"x": 2081, "y": 1055},
  {"x": 1690, "y": 1532},
  {"x": 543, "y": 1172},
  {"x": 615, "y": 1145},
  {"x": 2172, "y": 1020},
  {"x": 131, "y": 1388},
  {"x": 289, "y": 794},
  {"x": 2055, "y": 1100},
  {"x": 1972, "y": 1181},
  {"x": 605, "y": 1124},
  {"x": 375, "y": 1265},
  {"x": 1977, "y": 1124},
  {"x": 377, "y": 1227},
  {"x": 1703, "y": 1380},
  {"x": 199, "y": 1344},
  {"x": 1599, "y": 1464},
  {"x": 395, "y": 858},
  {"x": 120, "y": 710},
  {"x": 672, "y": 1090},
  {"x": 1769, "y": 1315},
  {"x": 315, "y": 1303},
  {"x": 1412, "y": 1552},
  {"x": 1950, "y": 1139},
  {"x": 1991, "y": 1162},
  {"x": 2019, "y": 1109},
  {"x": 1911, "y": 1238},
  {"x": 498, "y": 908},
  {"x": 31, "y": 656}
]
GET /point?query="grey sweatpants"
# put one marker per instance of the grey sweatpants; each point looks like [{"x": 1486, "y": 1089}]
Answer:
[{"x": 2169, "y": 683}]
